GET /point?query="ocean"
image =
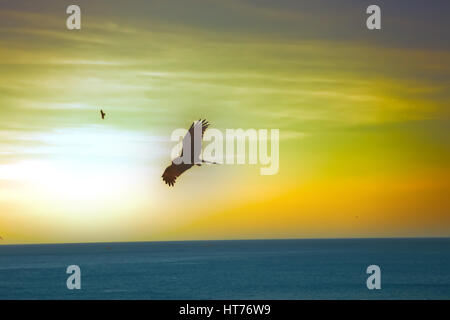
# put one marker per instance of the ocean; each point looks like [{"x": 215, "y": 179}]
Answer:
[{"x": 248, "y": 269}]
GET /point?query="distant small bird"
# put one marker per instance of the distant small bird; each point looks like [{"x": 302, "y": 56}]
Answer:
[
  {"x": 178, "y": 166},
  {"x": 103, "y": 114}
]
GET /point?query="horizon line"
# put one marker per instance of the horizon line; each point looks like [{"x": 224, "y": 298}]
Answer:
[{"x": 225, "y": 240}]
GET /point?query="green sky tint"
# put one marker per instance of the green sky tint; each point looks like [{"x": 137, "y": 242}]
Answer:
[{"x": 354, "y": 107}]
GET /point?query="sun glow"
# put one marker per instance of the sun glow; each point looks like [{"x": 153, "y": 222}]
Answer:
[{"x": 85, "y": 172}]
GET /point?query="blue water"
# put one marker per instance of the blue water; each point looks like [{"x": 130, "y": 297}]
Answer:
[{"x": 254, "y": 269}]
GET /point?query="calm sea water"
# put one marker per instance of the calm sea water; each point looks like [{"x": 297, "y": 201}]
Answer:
[{"x": 256, "y": 269}]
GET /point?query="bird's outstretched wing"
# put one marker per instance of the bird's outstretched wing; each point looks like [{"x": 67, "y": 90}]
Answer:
[
  {"x": 172, "y": 172},
  {"x": 189, "y": 139},
  {"x": 197, "y": 124}
]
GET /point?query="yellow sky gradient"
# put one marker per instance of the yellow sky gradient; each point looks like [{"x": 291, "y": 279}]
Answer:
[{"x": 363, "y": 119}]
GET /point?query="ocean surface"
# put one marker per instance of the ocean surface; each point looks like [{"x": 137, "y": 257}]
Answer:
[{"x": 249, "y": 269}]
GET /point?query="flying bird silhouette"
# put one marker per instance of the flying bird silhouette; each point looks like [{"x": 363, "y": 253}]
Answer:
[
  {"x": 191, "y": 143},
  {"x": 103, "y": 114}
]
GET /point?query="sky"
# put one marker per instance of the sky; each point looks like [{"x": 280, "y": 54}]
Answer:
[{"x": 363, "y": 116}]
